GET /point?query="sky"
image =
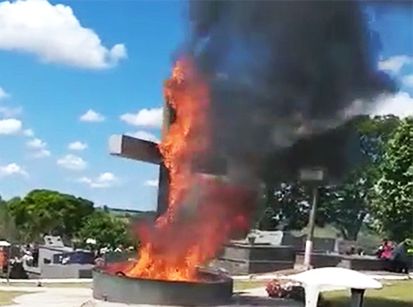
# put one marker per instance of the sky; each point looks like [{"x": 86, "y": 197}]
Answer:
[{"x": 72, "y": 73}]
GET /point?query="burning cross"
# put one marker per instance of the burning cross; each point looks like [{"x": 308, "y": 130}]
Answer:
[{"x": 146, "y": 151}]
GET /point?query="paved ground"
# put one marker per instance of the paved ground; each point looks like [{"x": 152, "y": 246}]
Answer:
[
  {"x": 82, "y": 297},
  {"x": 50, "y": 297},
  {"x": 48, "y": 281},
  {"x": 376, "y": 275}
]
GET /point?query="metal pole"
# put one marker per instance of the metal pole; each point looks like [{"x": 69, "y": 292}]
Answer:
[
  {"x": 357, "y": 297},
  {"x": 311, "y": 226}
]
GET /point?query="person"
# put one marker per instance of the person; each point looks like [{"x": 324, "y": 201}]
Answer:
[
  {"x": 385, "y": 250},
  {"x": 384, "y": 253},
  {"x": 400, "y": 258}
]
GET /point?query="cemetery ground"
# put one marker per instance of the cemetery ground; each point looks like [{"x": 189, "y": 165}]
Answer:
[
  {"x": 6, "y": 297},
  {"x": 395, "y": 293}
]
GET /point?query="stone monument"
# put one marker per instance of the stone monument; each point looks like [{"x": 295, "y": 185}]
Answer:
[{"x": 261, "y": 252}]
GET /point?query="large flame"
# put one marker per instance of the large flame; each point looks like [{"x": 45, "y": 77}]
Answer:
[{"x": 202, "y": 210}]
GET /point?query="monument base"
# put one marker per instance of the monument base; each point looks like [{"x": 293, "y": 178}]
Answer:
[
  {"x": 240, "y": 259},
  {"x": 211, "y": 289}
]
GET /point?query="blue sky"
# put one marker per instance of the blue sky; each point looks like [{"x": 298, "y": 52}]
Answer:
[{"x": 61, "y": 59}]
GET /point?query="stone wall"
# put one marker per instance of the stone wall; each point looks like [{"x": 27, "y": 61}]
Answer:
[{"x": 56, "y": 271}]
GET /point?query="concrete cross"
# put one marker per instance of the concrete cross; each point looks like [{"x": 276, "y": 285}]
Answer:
[{"x": 146, "y": 151}]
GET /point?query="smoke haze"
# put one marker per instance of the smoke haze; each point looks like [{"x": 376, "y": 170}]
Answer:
[{"x": 282, "y": 70}]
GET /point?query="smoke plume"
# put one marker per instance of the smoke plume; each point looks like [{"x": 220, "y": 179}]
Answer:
[{"x": 281, "y": 71}]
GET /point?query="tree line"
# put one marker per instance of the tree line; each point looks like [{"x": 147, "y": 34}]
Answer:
[
  {"x": 377, "y": 193},
  {"x": 73, "y": 218}
]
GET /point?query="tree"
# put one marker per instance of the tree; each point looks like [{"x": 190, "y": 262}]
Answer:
[
  {"x": 346, "y": 204},
  {"x": 288, "y": 207},
  {"x": 8, "y": 230},
  {"x": 393, "y": 201},
  {"x": 374, "y": 134},
  {"x": 49, "y": 212},
  {"x": 349, "y": 202},
  {"x": 106, "y": 229}
]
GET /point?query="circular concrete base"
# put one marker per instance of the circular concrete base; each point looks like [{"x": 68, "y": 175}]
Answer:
[{"x": 213, "y": 289}]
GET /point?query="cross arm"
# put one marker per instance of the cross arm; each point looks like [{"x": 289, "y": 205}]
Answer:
[{"x": 135, "y": 149}]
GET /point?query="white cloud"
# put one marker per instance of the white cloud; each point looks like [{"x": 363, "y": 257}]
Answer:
[
  {"x": 144, "y": 136},
  {"x": 28, "y": 132},
  {"x": 54, "y": 35},
  {"x": 104, "y": 180},
  {"x": 77, "y": 145},
  {"x": 3, "y": 93},
  {"x": 10, "y": 126},
  {"x": 151, "y": 183},
  {"x": 39, "y": 147},
  {"x": 36, "y": 144},
  {"x": 151, "y": 118},
  {"x": 399, "y": 104},
  {"x": 72, "y": 162},
  {"x": 41, "y": 153},
  {"x": 12, "y": 169},
  {"x": 10, "y": 111},
  {"x": 92, "y": 116},
  {"x": 408, "y": 80},
  {"x": 395, "y": 63}
]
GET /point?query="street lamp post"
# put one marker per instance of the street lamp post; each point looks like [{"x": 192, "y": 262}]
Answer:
[{"x": 311, "y": 177}]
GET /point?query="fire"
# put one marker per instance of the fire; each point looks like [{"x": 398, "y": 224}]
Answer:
[{"x": 202, "y": 210}]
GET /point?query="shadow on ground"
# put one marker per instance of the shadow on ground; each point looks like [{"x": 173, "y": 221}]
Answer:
[{"x": 369, "y": 302}]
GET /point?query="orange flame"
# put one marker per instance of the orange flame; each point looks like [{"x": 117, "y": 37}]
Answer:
[{"x": 202, "y": 212}]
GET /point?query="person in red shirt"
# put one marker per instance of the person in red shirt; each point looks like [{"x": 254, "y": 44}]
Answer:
[
  {"x": 385, "y": 253},
  {"x": 385, "y": 250}
]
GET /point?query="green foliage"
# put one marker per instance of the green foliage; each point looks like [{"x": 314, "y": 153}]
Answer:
[
  {"x": 345, "y": 205},
  {"x": 374, "y": 134},
  {"x": 286, "y": 207},
  {"x": 106, "y": 229},
  {"x": 8, "y": 230},
  {"x": 393, "y": 202},
  {"x": 49, "y": 212},
  {"x": 348, "y": 203}
]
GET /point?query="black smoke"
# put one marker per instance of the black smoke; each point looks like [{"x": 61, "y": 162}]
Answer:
[{"x": 283, "y": 71}]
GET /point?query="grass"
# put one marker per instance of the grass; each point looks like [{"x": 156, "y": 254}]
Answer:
[
  {"x": 248, "y": 284},
  {"x": 393, "y": 294},
  {"x": 327, "y": 231},
  {"x": 6, "y": 297}
]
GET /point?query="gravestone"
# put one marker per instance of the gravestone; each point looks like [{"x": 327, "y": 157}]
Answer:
[{"x": 262, "y": 252}]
